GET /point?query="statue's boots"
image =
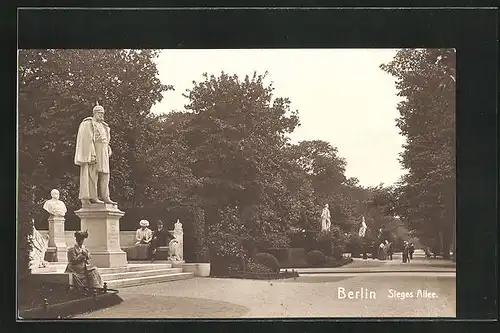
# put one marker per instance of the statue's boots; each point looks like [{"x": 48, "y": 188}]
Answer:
[{"x": 108, "y": 200}]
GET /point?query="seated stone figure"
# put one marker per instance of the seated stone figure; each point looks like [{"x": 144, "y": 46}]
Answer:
[
  {"x": 84, "y": 274},
  {"x": 40, "y": 245},
  {"x": 174, "y": 250}
]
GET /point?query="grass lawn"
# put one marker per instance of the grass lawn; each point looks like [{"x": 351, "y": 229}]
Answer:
[{"x": 32, "y": 295}]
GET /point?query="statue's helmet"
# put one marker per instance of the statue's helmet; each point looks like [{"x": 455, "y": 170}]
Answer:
[{"x": 98, "y": 108}]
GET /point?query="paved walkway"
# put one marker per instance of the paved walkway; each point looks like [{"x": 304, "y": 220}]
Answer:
[
  {"x": 395, "y": 265},
  {"x": 307, "y": 296}
]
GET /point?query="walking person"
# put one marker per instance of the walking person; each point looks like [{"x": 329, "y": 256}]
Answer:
[
  {"x": 405, "y": 252},
  {"x": 411, "y": 249},
  {"x": 389, "y": 250}
]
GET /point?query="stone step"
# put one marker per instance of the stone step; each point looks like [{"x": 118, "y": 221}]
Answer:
[
  {"x": 59, "y": 268},
  {"x": 139, "y": 273},
  {"x": 121, "y": 283},
  {"x": 134, "y": 268}
]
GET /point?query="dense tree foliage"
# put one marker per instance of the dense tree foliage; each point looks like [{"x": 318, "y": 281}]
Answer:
[
  {"x": 58, "y": 89},
  {"x": 425, "y": 79}
]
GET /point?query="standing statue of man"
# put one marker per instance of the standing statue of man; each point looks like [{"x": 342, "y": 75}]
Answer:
[
  {"x": 325, "y": 219},
  {"x": 92, "y": 155}
]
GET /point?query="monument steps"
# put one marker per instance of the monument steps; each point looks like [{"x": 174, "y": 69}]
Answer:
[
  {"x": 142, "y": 273},
  {"x": 119, "y": 277},
  {"x": 55, "y": 267},
  {"x": 148, "y": 280}
]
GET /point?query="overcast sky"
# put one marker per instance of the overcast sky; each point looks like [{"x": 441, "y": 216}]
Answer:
[{"x": 342, "y": 96}]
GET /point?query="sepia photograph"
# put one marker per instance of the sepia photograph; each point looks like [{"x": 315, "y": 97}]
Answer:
[{"x": 236, "y": 183}]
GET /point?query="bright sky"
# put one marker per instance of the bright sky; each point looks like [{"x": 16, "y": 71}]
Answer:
[{"x": 342, "y": 96}]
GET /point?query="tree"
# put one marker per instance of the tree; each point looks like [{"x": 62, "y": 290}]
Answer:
[
  {"x": 425, "y": 79},
  {"x": 321, "y": 164},
  {"x": 237, "y": 133}
]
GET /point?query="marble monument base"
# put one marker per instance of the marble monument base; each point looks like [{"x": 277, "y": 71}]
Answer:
[
  {"x": 57, "y": 238},
  {"x": 102, "y": 221}
]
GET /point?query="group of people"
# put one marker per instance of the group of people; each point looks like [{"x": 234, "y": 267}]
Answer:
[
  {"x": 87, "y": 275},
  {"x": 408, "y": 249},
  {"x": 385, "y": 250},
  {"x": 149, "y": 240}
]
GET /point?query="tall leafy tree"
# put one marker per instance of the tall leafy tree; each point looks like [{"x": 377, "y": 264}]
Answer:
[
  {"x": 325, "y": 169},
  {"x": 425, "y": 79},
  {"x": 237, "y": 133},
  {"x": 58, "y": 88}
]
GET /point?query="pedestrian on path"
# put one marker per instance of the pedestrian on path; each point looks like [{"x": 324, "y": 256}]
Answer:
[
  {"x": 411, "y": 249},
  {"x": 405, "y": 252}
]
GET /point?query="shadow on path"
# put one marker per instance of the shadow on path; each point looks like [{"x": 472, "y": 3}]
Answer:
[{"x": 158, "y": 306}]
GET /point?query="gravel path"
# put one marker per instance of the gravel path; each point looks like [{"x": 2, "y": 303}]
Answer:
[{"x": 307, "y": 296}]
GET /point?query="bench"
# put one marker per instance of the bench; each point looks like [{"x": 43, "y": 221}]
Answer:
[{"x": 140, "y": 252}]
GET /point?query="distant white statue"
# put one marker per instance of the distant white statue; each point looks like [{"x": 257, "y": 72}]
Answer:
[
  {"x": 55, "y": 206},
  {"x": 362, "y": 229},
  {"x": 325, "y": 219},
  {"x": 174, "y": 250}
]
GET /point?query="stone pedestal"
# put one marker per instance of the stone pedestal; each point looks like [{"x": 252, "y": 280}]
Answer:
[
  {"x": 102, "y": 221},
  {"x": 57, "y": 238}
]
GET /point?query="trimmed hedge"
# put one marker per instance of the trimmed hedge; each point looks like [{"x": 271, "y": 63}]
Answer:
[
  {"x": 316, "y": 258},
  {"x": 258, "y": 268},
  {"x": 267, "y": 260}
]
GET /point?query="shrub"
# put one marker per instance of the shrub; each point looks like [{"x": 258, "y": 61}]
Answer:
[
  {"x": 267, "y": 260},
  {"x": 316, "y": 258},
  {"x": 297, "y": 238},
  {"x": 226, "y": 235},
  {"x": 332, "y": 262},
  {"x": 355, "y": 245},
  {"x": 258, "y": 268},
  {"x": 281, "y": 254},
  {"x": 225, "y": 240},
  {"x": 332, "y": 242}
]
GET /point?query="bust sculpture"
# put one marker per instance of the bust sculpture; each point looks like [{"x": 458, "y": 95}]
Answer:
[
  {"x": 92, "y": 155},
  {"x": 55, "y": 206}
]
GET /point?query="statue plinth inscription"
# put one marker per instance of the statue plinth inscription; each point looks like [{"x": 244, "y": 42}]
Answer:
[{"x": 102, "y": 221}]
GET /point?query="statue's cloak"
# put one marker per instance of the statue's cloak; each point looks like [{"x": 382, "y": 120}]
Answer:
[{"x": 85, "y": 142}]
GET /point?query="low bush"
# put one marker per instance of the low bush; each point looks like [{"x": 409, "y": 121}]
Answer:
[
  {"x": 316, "y": 258},
  {"x": 333, "y": 262},
  {"x": 281, "y": 254},
  {"x": 267, "y": 260},
  {"x": 258, "y": 268}
]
